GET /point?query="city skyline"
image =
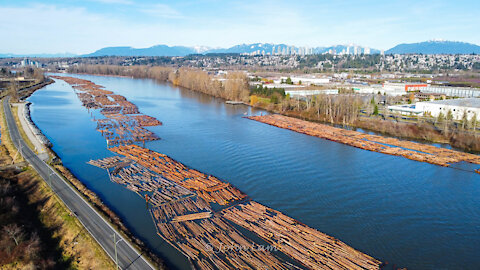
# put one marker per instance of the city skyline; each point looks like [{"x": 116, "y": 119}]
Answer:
[{"x": 81, "y": 27}]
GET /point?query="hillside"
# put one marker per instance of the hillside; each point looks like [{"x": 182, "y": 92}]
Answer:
[{"x": 435, "y": 47}]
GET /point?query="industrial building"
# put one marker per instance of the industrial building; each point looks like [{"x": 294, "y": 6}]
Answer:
[
  {"x": 405, "y": 109},
  {"x": 464, "y": 92},
  {"x": 305, "y": 93},
  {"x": 307, "y": 80},
  {"x": 469, "y": 107}
]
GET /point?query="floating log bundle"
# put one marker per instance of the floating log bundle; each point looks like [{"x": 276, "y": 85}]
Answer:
[
  {"x": 312, "y": 248},
  {"x": 392, "y": 146},
  {"x": 142, "y": 181},
  {"x": 195, "y": 216},
  {"x": 186, "y": 223},
  {"x": 123, "y": 123},
  {"x": 208, "y": 187},
  {"x": 108, "y": 162}
]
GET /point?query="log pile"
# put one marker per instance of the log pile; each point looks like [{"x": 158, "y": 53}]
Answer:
[
  {"x": 142, "y": 181},
  {"x": 214, "y": 244},
  {"x": 392, "y": 146},
  {"x": 312, "y": 248},
  {"x": 119, "y": 126},
  {"x": 306, "y": 245},
  {"x": 108, "y": 162},
  {"x": 210, "y": 188},
  {"x": 195, "y": 216}
]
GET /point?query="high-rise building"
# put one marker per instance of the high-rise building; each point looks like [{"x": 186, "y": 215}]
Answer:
[{"x": 366, "y": 51}]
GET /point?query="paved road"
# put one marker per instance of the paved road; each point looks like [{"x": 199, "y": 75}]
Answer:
[{"x": 99, "y": 228}]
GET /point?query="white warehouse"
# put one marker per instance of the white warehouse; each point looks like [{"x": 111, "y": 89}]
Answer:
[{"x": 459, "y": 107}]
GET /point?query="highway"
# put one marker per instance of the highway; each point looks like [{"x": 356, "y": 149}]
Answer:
[{"x": 96, "y": 225}]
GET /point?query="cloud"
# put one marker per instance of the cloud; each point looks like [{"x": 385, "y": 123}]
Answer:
[{"x": 161, "y": 11}]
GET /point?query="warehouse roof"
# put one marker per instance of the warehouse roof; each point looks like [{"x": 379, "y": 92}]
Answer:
[{"x": 460, "y": 102}]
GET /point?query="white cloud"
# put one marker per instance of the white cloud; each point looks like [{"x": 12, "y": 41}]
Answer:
[{"x": 161, "y": 11}]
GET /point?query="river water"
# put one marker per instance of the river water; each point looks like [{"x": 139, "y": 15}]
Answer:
[{"x": 409, "y": 213}]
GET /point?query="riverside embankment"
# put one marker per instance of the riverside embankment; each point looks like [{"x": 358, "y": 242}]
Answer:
[{"x": 386, "y": 206}]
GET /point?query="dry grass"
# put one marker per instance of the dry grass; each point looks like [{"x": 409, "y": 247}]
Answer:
[{"x": 20, "y": 128}]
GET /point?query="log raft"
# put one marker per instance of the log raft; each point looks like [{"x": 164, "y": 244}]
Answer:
[{"x": 392, "y": 146}]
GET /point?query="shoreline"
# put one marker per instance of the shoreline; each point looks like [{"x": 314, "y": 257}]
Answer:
[{"x": 93, "y": 199}]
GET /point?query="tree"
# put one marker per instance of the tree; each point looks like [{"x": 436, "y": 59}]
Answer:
[
  {"x": 15, "y": 232},
  {"x": 253, "y": 100},
  {"x": 473, "y": 122},
  {"x": 440, "y": 117},
  {"x": 289, "y": 81},
  {"x": 375, "y": 110}
]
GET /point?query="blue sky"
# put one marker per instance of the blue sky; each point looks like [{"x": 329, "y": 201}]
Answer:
[{"x": 84, "y": 26}]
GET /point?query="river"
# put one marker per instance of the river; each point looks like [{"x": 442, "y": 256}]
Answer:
[{"x": 409, "y": 213}]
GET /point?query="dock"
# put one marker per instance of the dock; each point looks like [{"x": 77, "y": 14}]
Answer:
[{"x": 233, "y": 102}]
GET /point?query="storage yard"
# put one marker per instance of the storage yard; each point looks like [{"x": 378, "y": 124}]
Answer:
[{"x": 392, "y": 146}]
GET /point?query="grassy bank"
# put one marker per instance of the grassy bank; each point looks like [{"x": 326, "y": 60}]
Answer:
[{"x": 53, "y": 237}]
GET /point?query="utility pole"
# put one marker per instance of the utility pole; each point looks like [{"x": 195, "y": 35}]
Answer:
[{"x": 115, "y": 244}]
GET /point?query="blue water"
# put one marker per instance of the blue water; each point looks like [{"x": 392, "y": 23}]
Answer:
[{"x": 409, "y": 213}]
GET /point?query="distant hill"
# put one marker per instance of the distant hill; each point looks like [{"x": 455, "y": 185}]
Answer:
[
  {"x": 435, "y": 47},
  {"x": 158, "y": 50}
]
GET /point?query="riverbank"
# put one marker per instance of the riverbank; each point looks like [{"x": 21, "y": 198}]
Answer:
[
  {"x": 87, "y": 194},
  {"x": 38, "y": 141},
  {"x": 68, "y": 243}
]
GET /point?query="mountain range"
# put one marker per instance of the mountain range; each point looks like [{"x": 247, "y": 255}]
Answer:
[
  {"x": 435, "y": 47},
  {"x": 427, "y": 47},
  {"x": 254, "y": 49}
]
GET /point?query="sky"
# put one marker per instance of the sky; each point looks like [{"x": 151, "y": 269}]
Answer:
[{"x": 83, "y": 26}]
